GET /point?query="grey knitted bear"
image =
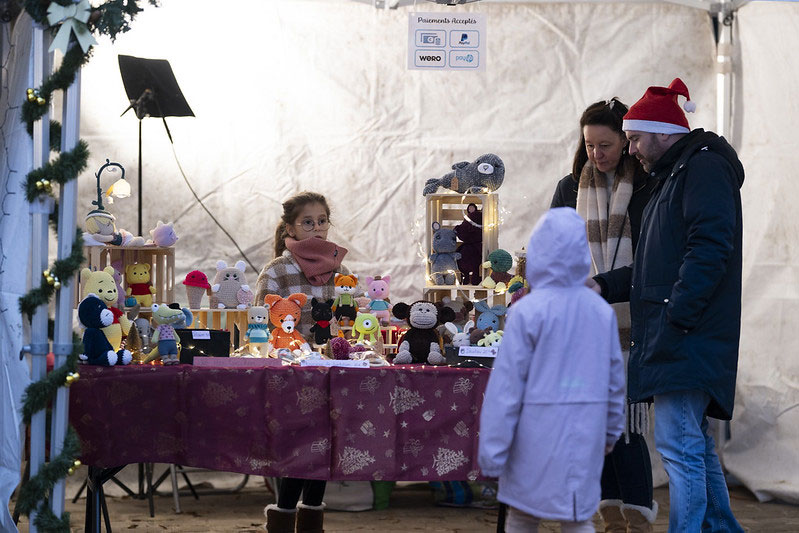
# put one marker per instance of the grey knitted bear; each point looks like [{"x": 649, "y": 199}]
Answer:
[
  {"x": 443, "y": 260},
  {"x": 486, "y": 173}
]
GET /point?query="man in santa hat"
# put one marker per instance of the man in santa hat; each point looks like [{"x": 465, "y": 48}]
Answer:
[{"x": 684, "y": 289}]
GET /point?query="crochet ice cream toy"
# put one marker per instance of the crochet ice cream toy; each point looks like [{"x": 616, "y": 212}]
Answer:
[{"x": 196, "y": 285}]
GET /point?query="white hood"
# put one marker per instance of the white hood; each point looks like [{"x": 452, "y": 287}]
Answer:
[{"x": 558, "y": 254}]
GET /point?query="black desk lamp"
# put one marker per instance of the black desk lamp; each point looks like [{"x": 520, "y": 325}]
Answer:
[{"x": 153, "y": 91}]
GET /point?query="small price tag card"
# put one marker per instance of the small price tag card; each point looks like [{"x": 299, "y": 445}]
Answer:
[
  {"x": 349, "y": 363},
  {"x": 477, "y": 351}
]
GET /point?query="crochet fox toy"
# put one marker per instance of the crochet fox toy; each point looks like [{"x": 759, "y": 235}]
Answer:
[
  {"x": 344, "y": 306},
  {"x": 284, "y": 314}
]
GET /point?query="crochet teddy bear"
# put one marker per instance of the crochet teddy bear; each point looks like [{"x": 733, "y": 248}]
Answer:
[
  {"x": 140, "y": 287},
  {"x": 284, "y": 314},
  {"x": 94, "y": 315},
  {"x": 345, "y": 306},
  {"x": 162, "y": 235},
  {"x": 421, "y": 343},
  {"x": 485, "y": 173},
  {"x": 500, "y": 263},
  {"x": 443, "y": 260},
  {"x": 230, "y": 289},
  {"x": 470, "y": 231},
  {"x": 322, "y": 315},
  {"x": 258, "y": 329},
  {"x": 379, "y": 305}
]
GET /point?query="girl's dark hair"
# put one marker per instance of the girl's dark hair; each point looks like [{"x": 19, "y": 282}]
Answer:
[
  {"x": 291, "y": 210},
  {"x": 604, "y": 113}
]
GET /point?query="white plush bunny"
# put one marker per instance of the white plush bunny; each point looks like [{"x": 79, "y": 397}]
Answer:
[{"x": 460, "y": 338}]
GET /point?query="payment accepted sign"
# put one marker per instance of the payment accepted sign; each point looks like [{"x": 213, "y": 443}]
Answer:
[{"x": 441, "y": 41}]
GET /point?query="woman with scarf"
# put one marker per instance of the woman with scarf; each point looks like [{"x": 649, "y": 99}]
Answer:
[
  {"x": 609, "y": 189},
  {"x": 305, "y": 262}
]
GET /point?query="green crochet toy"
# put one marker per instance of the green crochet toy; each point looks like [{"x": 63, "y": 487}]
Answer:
[{"x": 500, "y": 262}]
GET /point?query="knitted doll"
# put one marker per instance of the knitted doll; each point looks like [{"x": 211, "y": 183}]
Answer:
[
  {"x": 258, "y": 329},
  {"x": 500, "y": 263},
  {"x": 230, "y": 289},
  {"x": 485, "y": 173},
  {"x": 379, "y": 305},
  {"x": 470, "y": 231},
  {"x": 344, "y": 306},
  {"x": 94, "y": 314},
  {"x": 322, "y": 315},
  {"x": 443, "y": 260}
]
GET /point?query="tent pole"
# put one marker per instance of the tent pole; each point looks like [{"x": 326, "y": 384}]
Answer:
[
  {"x": 724, "y": 69},
  {"x": 62, "y": 338},
  {"x": 40, "y": 213}
]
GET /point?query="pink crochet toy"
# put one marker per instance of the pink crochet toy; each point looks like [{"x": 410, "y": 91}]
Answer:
[{"x": 379, "y": 305}]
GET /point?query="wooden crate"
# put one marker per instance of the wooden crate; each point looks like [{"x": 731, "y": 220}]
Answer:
[
  {"x": 161, "y": 261},
  {"x": 436, "y": 293},
  {"x": 449, "y": 210}
]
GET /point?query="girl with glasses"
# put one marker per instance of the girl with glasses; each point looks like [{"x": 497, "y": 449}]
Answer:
[{"x": 305, "y": 262}]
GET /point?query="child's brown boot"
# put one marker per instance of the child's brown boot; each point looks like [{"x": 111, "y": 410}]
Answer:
[
  {"x": 310, "y": 518},
  {"x": 279, "y": 520}
]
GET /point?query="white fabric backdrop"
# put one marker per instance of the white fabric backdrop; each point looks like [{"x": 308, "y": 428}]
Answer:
[
  {"x": 15, "y": 161},
  {"x": 298, "y": 94}
]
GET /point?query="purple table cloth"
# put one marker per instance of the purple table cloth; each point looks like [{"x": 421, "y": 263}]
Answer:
[{"x": 399, "y": 423}]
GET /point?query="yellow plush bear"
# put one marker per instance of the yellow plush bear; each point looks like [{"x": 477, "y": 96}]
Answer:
[
  {"x": 102, "y": 285},
  {"x": 137, "y": 276}
]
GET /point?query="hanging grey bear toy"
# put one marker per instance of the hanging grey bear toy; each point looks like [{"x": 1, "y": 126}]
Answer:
[{"x": 484, "y": 173}]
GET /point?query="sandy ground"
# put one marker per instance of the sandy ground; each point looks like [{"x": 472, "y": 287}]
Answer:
[{"x": 411, "y": 508}]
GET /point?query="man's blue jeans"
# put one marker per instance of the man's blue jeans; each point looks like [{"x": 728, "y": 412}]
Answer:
[{"x": 698, "y": 495}]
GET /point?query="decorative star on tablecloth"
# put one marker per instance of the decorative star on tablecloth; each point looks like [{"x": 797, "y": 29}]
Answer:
[
  {"x": 387, "y": 433},
  {"x": 453, "y": 407},
  {"x": 359, "y": 405},
  {"x": 404, "y": 424}
]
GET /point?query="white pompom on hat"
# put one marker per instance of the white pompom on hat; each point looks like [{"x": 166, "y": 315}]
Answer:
[{"x": 658, "y": 111}]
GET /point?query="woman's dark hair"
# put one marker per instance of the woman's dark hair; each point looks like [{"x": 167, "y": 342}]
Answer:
[
  {"x": 604, "y": 113},
  {"x": 291, "y": 210}
]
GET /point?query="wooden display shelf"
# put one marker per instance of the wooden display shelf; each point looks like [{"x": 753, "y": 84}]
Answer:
[
  {"x": 474, "y": 293},
  {"x": 449, "y": 210},
  {"x": 161, "y": 261}
]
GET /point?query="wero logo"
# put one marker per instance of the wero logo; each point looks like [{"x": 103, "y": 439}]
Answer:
[{"x": 430, "y": 58}]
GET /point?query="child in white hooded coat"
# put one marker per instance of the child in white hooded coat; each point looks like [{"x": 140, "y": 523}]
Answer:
[{"x": 554, "y": 402}]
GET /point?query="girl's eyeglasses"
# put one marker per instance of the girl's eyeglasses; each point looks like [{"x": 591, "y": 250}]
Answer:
[{"x": 309, "y": 224}]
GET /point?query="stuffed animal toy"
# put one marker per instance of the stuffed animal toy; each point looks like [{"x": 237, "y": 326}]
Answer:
[
  {"x": 492, "y": 338},
  {"x": 344, "y": 306},
  {"x": 118, "y": 269},
  {"x": 94, "y": 315},
  {"x": 145, "y": 332},
  {"x": 165, "y": 337},
  {"x": 489, "y": 316},
  {"x": 187, "y": 319},
  {"x": 162, "y": 235},
  {"x": 284, "y": 314},
  {"x": 196, "y": 286},
  {"x": 137, "y": 275},
  {"x": 230, "y": 289},
  {"x": 500, "y": 263},
  {"x": 322, "y": 315},
  {"x": 443, "y": 260},
  {"x": 461, "y": 306},
  {"x": 483, "y": 174},
  {"x": 379, "y": 304},
  {"x": 421, "y": 343},
  {"x": 258, "y": 330},
  {"x": 517, "y": 287},
  {"x": 103, "y": 286},
  {"x": 470, "y": 232},
  {"x": 101, "y": 230},
  {"x": 460, "y": 337},
  {"x": 367, "y": 325}
]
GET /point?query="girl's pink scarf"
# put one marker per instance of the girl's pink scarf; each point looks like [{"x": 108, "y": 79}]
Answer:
[{"x": 318, "y": 258}]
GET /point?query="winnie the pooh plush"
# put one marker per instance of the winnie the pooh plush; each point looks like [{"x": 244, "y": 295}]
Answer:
[
  {"x": 94, "y": 315},
  {"x": 284, "y": 314},
  {"x": 139, "y": 285},
  {"x": 103, "y": 285}
]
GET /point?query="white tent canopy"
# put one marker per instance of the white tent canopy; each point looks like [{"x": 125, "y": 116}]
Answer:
[{"x": 301, "y": 94}]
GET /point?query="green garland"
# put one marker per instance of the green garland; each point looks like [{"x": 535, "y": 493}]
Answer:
[{"x": 111, "y": 18}]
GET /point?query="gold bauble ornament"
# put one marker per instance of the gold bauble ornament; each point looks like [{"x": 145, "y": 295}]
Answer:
[
  {"x": 30, "y": 91},
  {"x": 77, "y": 463},
  {"x": 70, "y": 471},
  {"x": 57, "y": 284},
  {"x": 69, "y": 379},
  {"x": 75, "y": 376},
  {"x": 39, "y": 184},
  {"x": 41, "y": 101}
]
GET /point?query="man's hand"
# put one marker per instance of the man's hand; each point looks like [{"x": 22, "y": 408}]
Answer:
[{"x": 593, "y": 285}]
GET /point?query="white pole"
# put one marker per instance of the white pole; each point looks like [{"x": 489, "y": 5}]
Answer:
[
  {"x": 724, "y": 70},
  {"x": 40, "y": 211},
  {"x": 62, "y": 339}
]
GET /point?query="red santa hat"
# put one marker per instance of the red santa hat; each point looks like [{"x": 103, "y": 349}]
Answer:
[{"x": 658, "y": 111}]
